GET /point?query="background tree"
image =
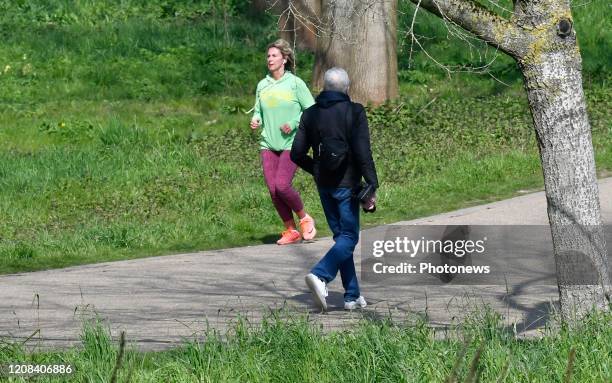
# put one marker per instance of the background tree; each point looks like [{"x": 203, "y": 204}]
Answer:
[
  {"x": 541, "y": 38},
  {"x": 338, "y": 32},
  {"x": 297, "y": 20},
  {"x": 361, "y": 37}
]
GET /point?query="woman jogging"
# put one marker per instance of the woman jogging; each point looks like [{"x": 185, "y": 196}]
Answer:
[{"x": 279, "y": 101}]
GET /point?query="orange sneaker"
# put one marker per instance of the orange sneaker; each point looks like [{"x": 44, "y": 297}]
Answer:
[
  {"x": 307, "y": 225},
  {"x": 289, "y": 236}
]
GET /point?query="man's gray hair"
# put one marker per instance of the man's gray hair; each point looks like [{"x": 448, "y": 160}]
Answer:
[{"x": 336, "y": 79}]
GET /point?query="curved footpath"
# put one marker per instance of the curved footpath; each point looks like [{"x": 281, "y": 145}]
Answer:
[{"x": 161, "y": 301}]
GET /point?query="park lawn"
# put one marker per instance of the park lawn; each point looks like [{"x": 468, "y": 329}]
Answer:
[
  {"x": 123, "y": 132},
  {"x": 86, "y": 182}
]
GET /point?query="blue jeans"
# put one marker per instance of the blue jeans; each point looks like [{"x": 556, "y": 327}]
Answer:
[{"x": 342, "y": 213}]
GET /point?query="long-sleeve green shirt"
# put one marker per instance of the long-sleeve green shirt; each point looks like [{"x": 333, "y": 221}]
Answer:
[{"x": 279, "y": 102}]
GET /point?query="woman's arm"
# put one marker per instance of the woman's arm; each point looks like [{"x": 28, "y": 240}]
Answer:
[{"x": 256, "y": 120}]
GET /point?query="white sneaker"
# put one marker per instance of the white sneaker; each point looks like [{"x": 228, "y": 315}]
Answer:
[
  {"x": 358, "y": 303},
  {"x": 318, "y": 288}
]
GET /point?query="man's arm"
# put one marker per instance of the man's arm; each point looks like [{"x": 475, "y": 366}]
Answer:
[
  {"x": 361, "y": 147},
  {"x": 305, "y": 100},
  {"x": 300, "y": 147}
]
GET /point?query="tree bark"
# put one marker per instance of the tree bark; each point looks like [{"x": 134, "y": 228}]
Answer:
[
  {"x": 297, "y": 20},
  {"x": 473, "y": 17},
  {"x": 552, "y": 70},
  {"x": 334, "y": 46},
  {"x": 305, "y": 23},
  {"x": 348, "y": 28},
  {"x": 541, "y": 38},
  {"x": 258, "y": 6}
]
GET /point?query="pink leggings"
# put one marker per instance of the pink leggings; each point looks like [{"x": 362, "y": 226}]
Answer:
[{"x": 278, "y": 172}]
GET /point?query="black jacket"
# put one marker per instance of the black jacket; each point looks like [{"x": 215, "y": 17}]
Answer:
[{"x": 328, "y": 118}]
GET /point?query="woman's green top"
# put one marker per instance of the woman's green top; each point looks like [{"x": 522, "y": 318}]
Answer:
[{"x": 279, "y": 102}]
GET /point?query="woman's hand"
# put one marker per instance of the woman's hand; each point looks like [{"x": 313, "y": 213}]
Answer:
[
  {"x": 255, "y": 123},
  {"x": 285, "y": 128}
]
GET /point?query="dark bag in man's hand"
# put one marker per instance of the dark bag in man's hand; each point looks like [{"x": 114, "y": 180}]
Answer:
[{"x": 364, "y": 195}]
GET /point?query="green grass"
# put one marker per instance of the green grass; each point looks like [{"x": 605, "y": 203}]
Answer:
[
  {"x": 287, "y": 347},
  {"x": 81, "y": 191},
  {"x": 123, "y": 132}
]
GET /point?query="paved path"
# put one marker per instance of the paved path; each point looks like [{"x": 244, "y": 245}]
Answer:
[{"x": 160, "y": 301}]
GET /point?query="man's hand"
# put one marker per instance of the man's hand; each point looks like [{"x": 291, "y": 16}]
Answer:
[
  {"x": 369, "y": 206},
  {"x": 285, "y": 128},
  {"x": 255, "y": 123}
]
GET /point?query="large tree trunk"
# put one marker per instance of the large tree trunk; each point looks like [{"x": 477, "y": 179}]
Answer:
[
  {"x": 542, "y": 40},
  {"x": 360, "y": 37},
  {"x": 552, "y": 70},
  {"x": 258, "y": 6},
  {"x": 297, "y": 20},
  {"x": 334, "y": 46},
  {"x": 305, "y": 23}
]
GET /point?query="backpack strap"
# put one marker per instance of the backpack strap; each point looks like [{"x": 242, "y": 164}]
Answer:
[{"x": 349, "y": 126}]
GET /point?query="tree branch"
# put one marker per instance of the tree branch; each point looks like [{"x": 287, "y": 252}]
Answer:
[{"x": 495, "y": 30}]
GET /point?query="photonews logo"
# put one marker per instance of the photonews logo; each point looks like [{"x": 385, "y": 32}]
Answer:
[{"x": 428, "y": 268}]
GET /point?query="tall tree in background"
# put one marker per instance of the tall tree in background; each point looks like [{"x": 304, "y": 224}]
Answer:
[
  {"x": 541, "y": 38},
  {"x": 297, "y": 20},
  {"x": 298, "y": 23},
  {"x": 361, "y": 37}
]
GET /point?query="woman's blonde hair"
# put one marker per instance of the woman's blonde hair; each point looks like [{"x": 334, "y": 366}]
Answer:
[{"x": 285, "y": 49}]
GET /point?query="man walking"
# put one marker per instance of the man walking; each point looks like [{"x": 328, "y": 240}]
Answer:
[{"x": 337, "y": 131}]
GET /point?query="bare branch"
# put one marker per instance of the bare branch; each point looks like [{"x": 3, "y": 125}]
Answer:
[
  {"x": 495, "y": 30},
  {"x": 411, "y": 31}
]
